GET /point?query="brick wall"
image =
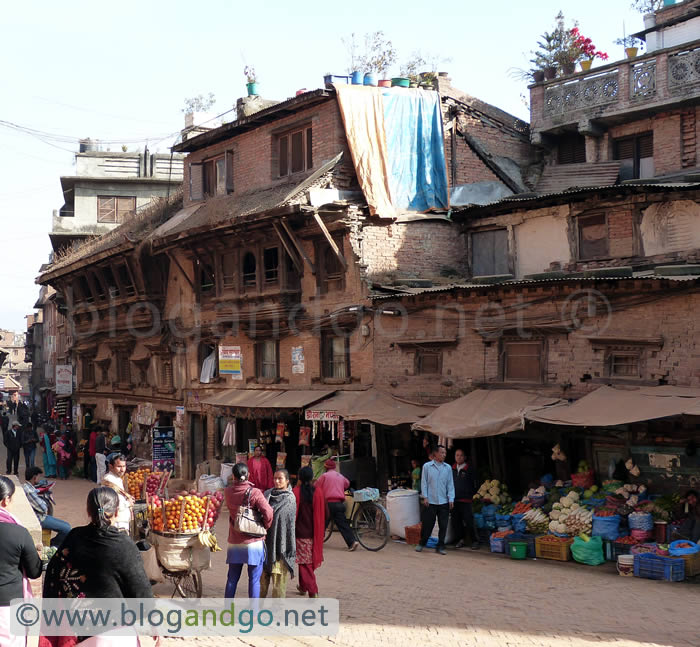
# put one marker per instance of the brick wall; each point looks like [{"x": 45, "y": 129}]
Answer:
[
  {"x": 573, "y": 364},
  {"x": 254, "y": 151}
]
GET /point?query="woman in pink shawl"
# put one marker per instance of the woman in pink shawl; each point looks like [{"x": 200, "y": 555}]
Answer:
[
  {"x": 260, "y": 470},
  {"x": 19, "y": 561}
]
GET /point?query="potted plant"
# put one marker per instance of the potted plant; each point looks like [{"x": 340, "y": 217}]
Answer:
[
  {"x": 587, "y": 49},
  {"x": 631, "y": 44},
  {"x": 252, "y": 80},
  {"x": 648, "y": 9},
  {"x": 543, "y": 58}
]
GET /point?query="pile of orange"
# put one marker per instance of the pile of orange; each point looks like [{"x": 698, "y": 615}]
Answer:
[{"x": 135, "y": 481}]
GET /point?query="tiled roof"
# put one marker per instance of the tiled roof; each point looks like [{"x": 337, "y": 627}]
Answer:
[{"x": 560, "y": 177}]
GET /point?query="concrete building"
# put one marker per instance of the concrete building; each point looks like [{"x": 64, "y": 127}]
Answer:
[{"x": 109, "y": 188}]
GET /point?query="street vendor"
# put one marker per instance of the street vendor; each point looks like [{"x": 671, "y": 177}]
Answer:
[
  {"x": 115, "y": 479},
  {"x": 690, "y": 512}
]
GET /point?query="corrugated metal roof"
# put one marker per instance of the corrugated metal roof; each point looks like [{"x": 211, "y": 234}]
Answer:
[
  {"x": 576, "y": 191},
  {"x": 399, "y": 291}
]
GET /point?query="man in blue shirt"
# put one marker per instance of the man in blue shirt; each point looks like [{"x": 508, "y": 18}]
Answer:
[{"x": 437, "y": 495}]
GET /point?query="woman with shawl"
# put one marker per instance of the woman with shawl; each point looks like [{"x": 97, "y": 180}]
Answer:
[
  {"x": 19, "y": 561},
  {"x": 48, "y": 456},
  {"x": 310, "y": 526},
  {"x": 280, "y": 542},
  {"x": 64, "y": 453}
]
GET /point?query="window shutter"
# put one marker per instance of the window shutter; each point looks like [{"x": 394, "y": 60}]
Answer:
[
  {"x": 229, "y": 171},
  {"x": 126, "y": 208},
  {"x": 221, "y": 181},
  {"x": 646, "y": 145},
  {"x": 196, "y": 181},
  {"x": 624, "y": 148},
  {"x": 572, "y": 149},
  {"x": 106, "y": 209},
  {"x": 309, "y": 149},
  {"x": 284, "y": 154}
]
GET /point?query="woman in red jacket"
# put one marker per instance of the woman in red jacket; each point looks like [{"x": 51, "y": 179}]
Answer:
[
  {"x": 311, "y": 518},
  {"x": 242, "y": 548}
]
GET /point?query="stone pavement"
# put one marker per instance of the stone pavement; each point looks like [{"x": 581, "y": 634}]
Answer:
[{"x": 402, "y": 598}]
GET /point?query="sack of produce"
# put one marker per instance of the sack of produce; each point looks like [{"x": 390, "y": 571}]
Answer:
[
  {"x": 683, "y": 547},
  {"x": 607, "y": 527},
  {"x": 588, "y": 552},
  {"x": 518, "y": 523}
]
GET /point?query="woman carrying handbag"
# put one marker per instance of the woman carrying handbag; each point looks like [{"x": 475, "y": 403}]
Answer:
[{"x": 250, "y": 515}]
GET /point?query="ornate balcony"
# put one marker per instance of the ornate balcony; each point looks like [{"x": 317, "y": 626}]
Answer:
[{"x": 618, "y": 92}]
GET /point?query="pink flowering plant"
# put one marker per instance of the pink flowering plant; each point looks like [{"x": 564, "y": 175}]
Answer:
[{"x": 586, "y": 48}]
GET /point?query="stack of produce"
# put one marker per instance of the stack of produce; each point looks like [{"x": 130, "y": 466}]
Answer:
[
  {"x": 536, "y": 521},
  {"x": 562, "y": 510},
  {"x": 579, "y": 521},
  {"x": 553, "y": 539},
  {"x": 501, "y": 534},
  {"x": 590, "y": 493},
  {"x": 185, "y": 513},
  {"x": 493, "y": 491},
  {"x": 134, "y": 481},
  {"x": 521, "y": 508}
]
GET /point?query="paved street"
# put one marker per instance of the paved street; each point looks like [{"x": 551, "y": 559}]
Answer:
[{"x": 399, "y": 597}]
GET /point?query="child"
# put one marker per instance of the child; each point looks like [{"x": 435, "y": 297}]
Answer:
[{"x": 415, "y": 474}]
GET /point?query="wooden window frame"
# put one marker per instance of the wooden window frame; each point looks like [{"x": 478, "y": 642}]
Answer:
[
  {"x": 329, "y": 281},
  {"x": 259, "y": 365},
  {"x": 513, "y": 341},
  {"x": 198, "y": 169},
  {"x": 87, "y": 376},
  {"x": 421, "y": 354},
  {"x": 275, "y": 273},
  {"x": 590, "y": 216},
  {"x": 611, "y": 352},
  {"x": 123, "y": 365},
  {"x": 202, "y": 354},
  {"x": 285, "y": 150},
  {"x": 477, "y": 232},
  {"x": 228, "y": 282},
  {"x": 328, "y": 361},
  {"x": 166, "y": 379},
  {"x": 119, "y": 216},
  {"x": 568, "y": 151},
  {"x": 246, "y": 283},
  {"x": 636, "y": 157}
]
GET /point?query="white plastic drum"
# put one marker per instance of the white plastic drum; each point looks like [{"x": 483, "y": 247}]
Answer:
[{"x": 403, "y": 507}]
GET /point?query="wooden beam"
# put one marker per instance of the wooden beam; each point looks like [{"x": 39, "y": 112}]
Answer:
[
  {"x": 288, "y": 247},
  {"x": 172, "y": 257},
  {"x": 298, "y": 246},
  {"x": 330, "y": 240}
]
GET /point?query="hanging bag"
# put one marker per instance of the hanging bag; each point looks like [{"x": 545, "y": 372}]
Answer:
[{"x": 248, "y": 520}]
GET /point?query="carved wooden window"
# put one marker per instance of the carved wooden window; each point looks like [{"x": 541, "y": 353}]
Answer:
[
  {"x": 250, "y": 274},
  {"x": 271, "y": 261},
  {"x": 88, "y": 370},
  {"x": 228, "y": 271},
  {"x": 428, "y": 361},
  {"x": 125, "y": 280},
  {"x": 123, "y": 368},
  {"x": 523, "y": 361},
  {"x": 330, "y": 274},
  {"x": 166, "y": 373}
]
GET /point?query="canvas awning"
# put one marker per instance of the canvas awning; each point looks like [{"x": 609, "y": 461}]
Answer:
[
  {"x": 483, "y": 413},
  {"x": 607, "y": 406},
  {"x": 373, "y": 405},
  {"x": 265, "y": 398}
]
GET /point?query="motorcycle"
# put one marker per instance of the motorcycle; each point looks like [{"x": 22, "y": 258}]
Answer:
[{"x": 45, "y": 490}]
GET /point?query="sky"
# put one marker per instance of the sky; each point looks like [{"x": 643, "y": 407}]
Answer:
[{"x": 121, "y": 71}]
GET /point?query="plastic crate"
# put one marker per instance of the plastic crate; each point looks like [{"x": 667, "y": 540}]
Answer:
[
  {"x": 692, "y": 565},
  {"x": 559, "y": 551},
  {"x": 521, "y": 536},
  {"x": 655, "y": 567},
  {"x": 484, "y": 535},
  {"x": 497, "y": 544},
  {"x": 413, "y": 534},
  {"x": 614, "y": 549}
]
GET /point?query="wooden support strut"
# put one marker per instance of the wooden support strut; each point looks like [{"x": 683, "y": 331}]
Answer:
[
  {"x": 174, "y": 260},
  {"x": 298, "y": 246},
  {"x": 203, "y": 265},
  {"x": 292, "y": 254},
  {"x": 330, "y": 240}
]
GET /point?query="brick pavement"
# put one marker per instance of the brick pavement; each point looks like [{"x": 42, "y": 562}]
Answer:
[{"x": 399, "y": 597}]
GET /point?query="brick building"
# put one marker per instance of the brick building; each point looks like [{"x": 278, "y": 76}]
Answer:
[{"x": 268, "y": 258}]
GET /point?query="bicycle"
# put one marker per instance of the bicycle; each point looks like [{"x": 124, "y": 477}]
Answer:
[{"x": 369, "y": 521}]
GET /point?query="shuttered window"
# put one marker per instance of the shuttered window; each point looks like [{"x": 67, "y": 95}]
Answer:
[
  {"x": 490, "y": 252},
  {"x": 295, "y": 151},
  {"x": 123, "y": 368},
  {"x": 572, "y": 149},
  {"x": 115, "y": 209},
  {"x": 88, "y": 366},
  {"x": 522, "y": 361},
  {"x": 592, "y": 237},
  {"x": 335, "y": 356},
  {"x": 636, "y": 155},
  {"x": 266, "y": 359},
  {"x": 196, "y": 181}
]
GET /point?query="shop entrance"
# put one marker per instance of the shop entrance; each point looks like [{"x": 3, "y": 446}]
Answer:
[{"x": 198, "y": 436}]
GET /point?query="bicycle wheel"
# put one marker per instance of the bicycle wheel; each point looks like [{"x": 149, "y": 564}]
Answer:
[
  {"x": 189, "y": 585},
  {"x": 329, "y": 531},
  {"x": 371, "y": 526}
]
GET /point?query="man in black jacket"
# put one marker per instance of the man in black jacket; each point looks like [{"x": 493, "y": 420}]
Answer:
[
  {"x": 465, "y": 486},
  {"x": 14, "y": 444}
]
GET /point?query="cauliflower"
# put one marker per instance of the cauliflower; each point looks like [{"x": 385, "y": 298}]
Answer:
[
  {"x": 494, "y": 491},
  {"x": 555, "y": 514},
  {"x": 557, "y": 505},
  {"x": 495, "y": 499},
  {"x": 573, "y": 495},
  {"x": 559, "y": 484},
  {"x": 575, "y": 506},
  {"x": 495, "y": 483},
  {"x": 566, "y": 502}
]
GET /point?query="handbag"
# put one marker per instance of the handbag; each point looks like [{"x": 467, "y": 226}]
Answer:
[{"x": 248, "y": 520}]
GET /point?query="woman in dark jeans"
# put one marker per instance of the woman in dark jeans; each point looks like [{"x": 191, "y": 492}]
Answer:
[
  {"x": 97, "y": 561},
  {"x": 19, "y": 562}
]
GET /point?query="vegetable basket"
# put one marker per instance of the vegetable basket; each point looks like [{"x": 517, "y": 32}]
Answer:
[
  {"x": 655, "y": 567},
  {"x": 557, "y": 550},
  {"x": 583, "y": 479},
  {"x": 413, "y": 534}
]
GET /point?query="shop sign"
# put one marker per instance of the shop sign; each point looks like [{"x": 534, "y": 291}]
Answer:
[
  {"x": 321, "y": 416},
  {"x": 64, "y": 379},
  {"x": 180, "y": 414},
  {"x": 230, "y": 361},
  {"x": 297, "y": 359},
  {"x": 164, "y": 449}
]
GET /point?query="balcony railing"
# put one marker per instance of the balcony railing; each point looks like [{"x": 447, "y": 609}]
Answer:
[{"x": 656, "y": 80}]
